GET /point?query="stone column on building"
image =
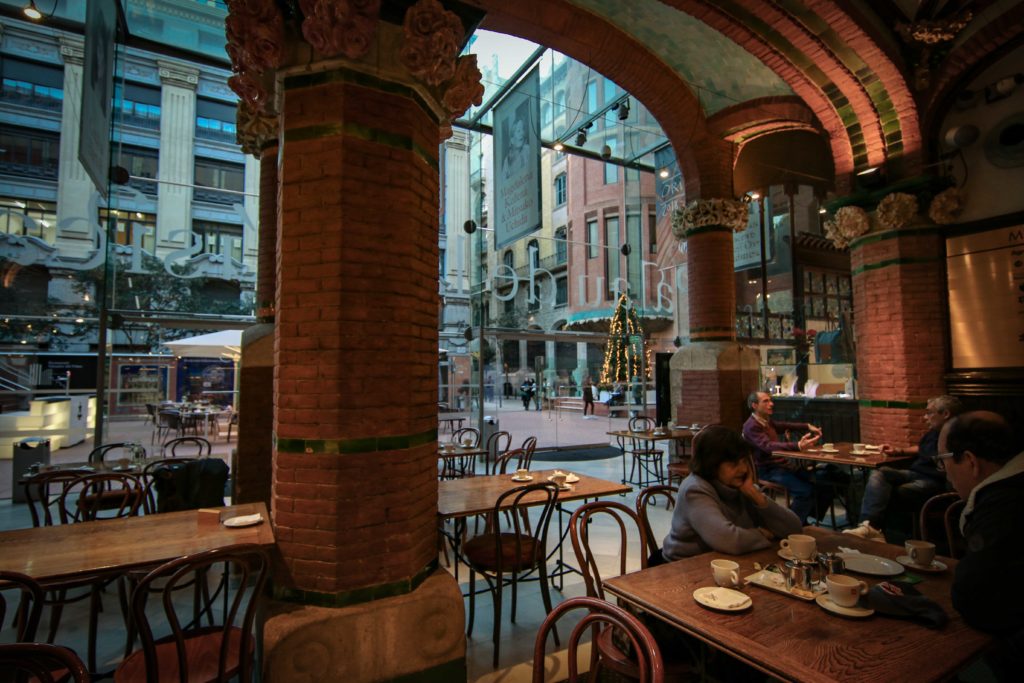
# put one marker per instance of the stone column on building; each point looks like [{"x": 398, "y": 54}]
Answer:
[
  {"x": 581, "y": 373},
  {"x": 715, "y": 373},
  {"x": 899, "y": 298},
  {"x": 75, "y": 227},
  {"x": 358, "y": 592},
  {"x": 176, "y": 171},
  {"x": 258, "y": 136}
]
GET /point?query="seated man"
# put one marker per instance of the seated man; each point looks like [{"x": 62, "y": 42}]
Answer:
[
  {"x": 986, "y": 467},
  {"x": 922, "y": 479},
  {"x": 763, "y": 433}
]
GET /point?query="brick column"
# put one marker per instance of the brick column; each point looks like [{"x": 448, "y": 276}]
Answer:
[
  {"x": 902, "y": 344},
  {"x": 359, "y": 592},
  {"x": 714, "y": 372}
]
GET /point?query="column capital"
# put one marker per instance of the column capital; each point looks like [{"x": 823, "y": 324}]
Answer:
[
  {"x": 72, "y": 51},
  {"x": 256, "y": 128},
  {"x": 707, "y": 215},
  {"x": 173, "y": 73}
]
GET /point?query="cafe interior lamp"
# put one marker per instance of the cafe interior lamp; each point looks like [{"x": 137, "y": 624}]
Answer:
[
  {"x": 31, "y": 11},
  {"x": 558, "y": 146}
]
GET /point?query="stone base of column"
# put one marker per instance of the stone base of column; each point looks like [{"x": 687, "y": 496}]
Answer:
[
  {"x": 253, "y": 465},
  {"x": 711, "y": 380},
  {"x": 417, "y": 636}
]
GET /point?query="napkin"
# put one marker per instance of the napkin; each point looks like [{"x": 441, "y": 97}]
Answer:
[
  {"x": 242, "y": 520},
  {"x": 902, "y": 600},
  {"x": 726, "y": 598}
]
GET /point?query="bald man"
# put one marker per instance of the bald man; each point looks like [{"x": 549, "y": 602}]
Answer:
[{"x": 985, "y": 465}]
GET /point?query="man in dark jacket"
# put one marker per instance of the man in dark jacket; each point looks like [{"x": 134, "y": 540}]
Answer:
[
  {"x": 986, "y": 467},
  {"x": 921, "y": 480},
  {"x": 761, "y": 431}
]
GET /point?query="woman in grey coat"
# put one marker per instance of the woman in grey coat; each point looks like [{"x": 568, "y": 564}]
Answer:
[{"x": 719, "y": 506}]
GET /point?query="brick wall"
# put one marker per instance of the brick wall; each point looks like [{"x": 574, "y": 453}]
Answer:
[
  {"x": 712, "y": 286},
  {"x": 902, "y": 343},
  {"x": 355, "y": 479},
  {"x": 266, "y": 272}
]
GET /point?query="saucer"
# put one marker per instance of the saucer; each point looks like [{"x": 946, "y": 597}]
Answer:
[
  {"x": 856, "y": 611},
  {"x": 935, "y": 567},
  {"x": 569, "y": 478},
  {"x": 527, "y": 478},
  {"x": 725, "y": 599},
  {"x": 787, "y": 554},
  {"x": 829, "y": 450}
]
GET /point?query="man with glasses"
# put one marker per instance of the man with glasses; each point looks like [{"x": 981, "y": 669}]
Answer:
[
  {"x": 919, "y": 482},
  {"x": 985, "y": 465}
]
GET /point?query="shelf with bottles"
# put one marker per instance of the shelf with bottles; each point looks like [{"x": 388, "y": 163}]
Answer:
[{"x": 783, "y": 375}]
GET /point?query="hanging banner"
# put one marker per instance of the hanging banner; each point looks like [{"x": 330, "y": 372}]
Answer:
[
  {"x": 670, "y": 191},
  {"x": 97, "y": 91},
  {"x": 517, "y": 162}
]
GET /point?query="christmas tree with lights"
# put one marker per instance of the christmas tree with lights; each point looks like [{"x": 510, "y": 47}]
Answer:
[{"x": 627, "y": 351}]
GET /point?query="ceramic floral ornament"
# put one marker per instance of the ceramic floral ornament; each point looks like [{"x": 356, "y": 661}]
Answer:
[
  {"x": 849, "y": 223},
  {"x": 896, "y": 210},
  {"x": 699, "y": 213},
  {"x": 344, "y": 27},
  {"x": 946, "y": 206},
  {"x": 255, "y": 43},
  {"x": 463, "y": 90},
  {"x": 432, "y": 38}
]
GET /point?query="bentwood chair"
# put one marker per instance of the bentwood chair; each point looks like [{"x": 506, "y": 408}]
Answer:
[
  {"x": 188, "y": 446},
  {"x": 193, "y": 652},
  {"x": 529, "y": 446},
  {"x": 603, "y": 616},
  {"x": 644, "y": 500},
  {"x": 508, "y": 553},
  {"x": 22, "y": 598},
  {"x": 931, "y": 523},
  {"x": 41, "y": 663},
  {"x": 625, "y": 525},
  {"x": 497, "y": 443},
  {"x": 647, "y": 460},
  {"x": 116, "y": 451}
]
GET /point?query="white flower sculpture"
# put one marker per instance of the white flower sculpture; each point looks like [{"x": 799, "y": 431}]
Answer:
[
  {"x": 896, "y": 210},
  {"x": 850, "y": 222},
  {"x": 699, "y": 213},
  {"x": 946, "y": 206}
]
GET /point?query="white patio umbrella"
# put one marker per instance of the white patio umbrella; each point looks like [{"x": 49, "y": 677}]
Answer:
[{"x": 223, "y": 344}]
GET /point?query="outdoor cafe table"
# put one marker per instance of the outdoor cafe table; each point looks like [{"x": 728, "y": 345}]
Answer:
[
  {"x": 114, "y": 546},
  {"x": 679, "y": 434},
  {"x": 845, "y": 457},
  {"x": 461, "y": 498},
  {"x": 454, "y": 458},
  {"x": 797, "y": 640}
]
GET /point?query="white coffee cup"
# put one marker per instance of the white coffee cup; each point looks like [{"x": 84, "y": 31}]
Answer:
[
  {"x": 858, "y": 448},
  {"x": 522, "y": 473},
  {"x": 802, "y": 546},
  {"x": 558, "y": 479},
  {"x": 725, "y": 573},
  {"x": 844, "y": 590},
  {"x": 921, "y": 552},
  {"x": 828, "y": 446}
]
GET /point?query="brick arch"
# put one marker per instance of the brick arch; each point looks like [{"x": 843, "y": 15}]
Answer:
[
  {"x": 977, "y": 53},
  {"x": 802, "y": 86},
  {"x": 741, "y": 122},
  {"x": 705, "y": 159}
]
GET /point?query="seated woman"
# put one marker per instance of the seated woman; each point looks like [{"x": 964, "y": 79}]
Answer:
[{"x": 719, "y": 506}]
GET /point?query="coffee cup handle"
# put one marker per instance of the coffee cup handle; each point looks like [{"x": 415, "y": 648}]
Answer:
[
  {"x": 734, "y": 577},
  {"x": 784, "y": 543},
  {"x": 913, "y": 555},
  {"x": 863, "y": 588}
]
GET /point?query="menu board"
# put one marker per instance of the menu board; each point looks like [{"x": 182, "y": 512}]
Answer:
[{"x": 986, "y": 298}]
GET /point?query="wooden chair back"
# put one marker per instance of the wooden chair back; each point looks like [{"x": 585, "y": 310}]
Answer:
[
  {"x": 189, "y": 446},
  {"x": 644, "y": 500},
  {"x": 106, "y": 495},
  {"x": 601, "y": 616},
  {"x": 22, "y": 598},
  {"x": 461, "y": 435},
  {"x": 955, "y": 537},
  {"x": 931, "y": 525},
  {"x": 511, "y": 459},
  {"x": 529, "y": 446},
  {"x": 497, "y": 443},
  {"x": 41, "y": 663},
  {"x": 43, "y": 492},
  {"x": 580, "y": 526},
  {"x": 116, "y": 451},
  {"x": 214, "y": 653}
]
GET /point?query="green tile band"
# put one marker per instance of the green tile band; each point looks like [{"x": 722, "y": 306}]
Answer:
[
  {"x": 706, "y": 229},
  {"x": 357, "y": 596},
  {"x": 888, "y": 263},
  {"x": 896, "y": 405},
  {"x": 368, "y": 444},
  {"x": 355, "y": 130},
  {"x": 876, "y": 237}
]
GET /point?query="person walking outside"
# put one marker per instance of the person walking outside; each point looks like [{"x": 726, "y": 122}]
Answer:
[{"x": 588, "y": 397}]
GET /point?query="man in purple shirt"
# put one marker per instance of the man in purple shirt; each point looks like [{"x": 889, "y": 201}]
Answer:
[{"x": 766, "y": 435}]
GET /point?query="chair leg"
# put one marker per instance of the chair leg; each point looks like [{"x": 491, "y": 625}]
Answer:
[
  {"x": 472, "y": 602},
  {"x": 498, "y": 589},
  {"x": 545, "y": 592}
]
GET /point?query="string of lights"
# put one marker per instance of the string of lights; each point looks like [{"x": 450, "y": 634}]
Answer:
[{"x": 627, "y": 347}]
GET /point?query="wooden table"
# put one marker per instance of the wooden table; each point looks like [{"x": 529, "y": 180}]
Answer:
[
  {"x": 846, "y": 458},
  {"x": 450, "y": 420},
  {"x": 114, "y": 546},
  {"x": 797, "y": 640},
  {"x": 458, "y": 461},
  {"x": 678, "y": 434},
  {"x": 461, "y": 498}
]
